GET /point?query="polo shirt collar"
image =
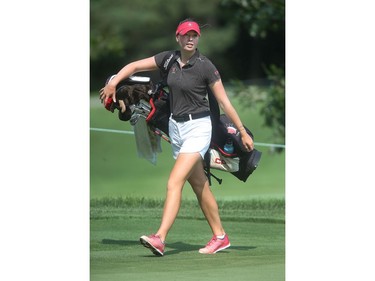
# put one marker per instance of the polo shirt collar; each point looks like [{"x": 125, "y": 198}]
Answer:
[{"x": 193, "y": 59}]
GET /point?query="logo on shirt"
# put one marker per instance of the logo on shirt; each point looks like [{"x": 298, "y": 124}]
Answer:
[{"x": 167, "y": 62}]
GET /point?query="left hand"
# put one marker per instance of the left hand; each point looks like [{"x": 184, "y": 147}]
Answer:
[{"x": 247, "y": 142}]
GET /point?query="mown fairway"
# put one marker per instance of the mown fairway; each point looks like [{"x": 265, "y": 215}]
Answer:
[
  {"x": 116, "y": 170},
  {"x": 127, "y": 194},
  {"x": 256, "y": 230}
]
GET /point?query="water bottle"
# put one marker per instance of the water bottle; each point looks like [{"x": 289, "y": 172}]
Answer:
[{"x": 228, "y": 147}]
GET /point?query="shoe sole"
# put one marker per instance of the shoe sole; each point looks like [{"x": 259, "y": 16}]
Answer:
[
  {"x": 223, "y": 248},
  {"x": 148, "y": 245},
  {"x": 218, "y": 250}
]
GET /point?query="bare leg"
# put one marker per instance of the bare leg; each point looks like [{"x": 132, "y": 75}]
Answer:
[
  {"x": 181, "y": 171},
  {"x": 206, "y": 199}
]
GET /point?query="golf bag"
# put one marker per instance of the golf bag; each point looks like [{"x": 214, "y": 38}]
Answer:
[
  {"x": 240, "y": 162},
  {"x": 142, "y": 98}
]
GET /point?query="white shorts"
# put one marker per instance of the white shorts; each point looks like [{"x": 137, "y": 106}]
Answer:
[{"x": 190, "y": 136}]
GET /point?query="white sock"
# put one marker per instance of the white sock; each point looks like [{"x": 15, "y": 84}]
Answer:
[{"x": 220, "y": 236}]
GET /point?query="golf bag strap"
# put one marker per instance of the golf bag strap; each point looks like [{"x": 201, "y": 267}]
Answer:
[
  {"x": 167, "y": 63},
  {"x": 207, "y": 169},
  {"x": 207, "y": 160}
]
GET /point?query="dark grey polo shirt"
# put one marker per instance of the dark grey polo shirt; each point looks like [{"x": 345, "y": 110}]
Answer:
[{"x": 187, "y": 85}]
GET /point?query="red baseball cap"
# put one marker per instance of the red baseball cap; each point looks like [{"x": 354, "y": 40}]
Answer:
[{"x": 187, "y": 26}]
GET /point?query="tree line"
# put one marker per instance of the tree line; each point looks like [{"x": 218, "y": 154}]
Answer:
[{"x": 244, "y": 38}]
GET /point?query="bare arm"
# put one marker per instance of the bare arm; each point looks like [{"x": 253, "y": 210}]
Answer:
[
  {"x": 109, "y": 90},
  {"x": 225, "y": 104}
]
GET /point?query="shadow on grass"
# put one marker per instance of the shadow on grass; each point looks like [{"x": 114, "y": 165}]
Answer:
[
  {"x": 173, "y": 248},
  {"x": 120, "y": 242}
]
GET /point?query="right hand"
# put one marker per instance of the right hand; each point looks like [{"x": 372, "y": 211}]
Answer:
[{"x": 108, "y": 91}]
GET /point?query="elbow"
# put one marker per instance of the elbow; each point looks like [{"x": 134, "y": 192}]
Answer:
[
  {"x": 225, "y": 106},
  {"x": 222, "y": 106},
  {"x": 131, "y": 68}
]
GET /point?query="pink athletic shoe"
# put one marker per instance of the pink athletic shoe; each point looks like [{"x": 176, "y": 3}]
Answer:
[
  {"x": 215, "y": 245},
  {"x": 154, "y": 243}
]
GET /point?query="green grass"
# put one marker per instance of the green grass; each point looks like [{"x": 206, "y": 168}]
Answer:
[
  {"x": 256, "y": 229},
  {"x": 127, "y": 195},
  {"x": 116, "y": 170}
]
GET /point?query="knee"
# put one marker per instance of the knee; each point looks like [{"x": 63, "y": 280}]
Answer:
[{"x": 174, "y": 186}]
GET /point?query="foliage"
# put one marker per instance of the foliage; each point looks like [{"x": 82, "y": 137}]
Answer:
[
  {"x": 273, "y": 109},
  {"x": 259, "y": 16},
  {"x": 271, "y": 100},
  {"x": 141, "y": 28},
  {"x": 123, "y": 31},
  {"x": 249, "y": 32}
]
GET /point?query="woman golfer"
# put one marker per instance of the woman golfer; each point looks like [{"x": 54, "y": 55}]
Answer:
[{"x": 189, "y": 131}]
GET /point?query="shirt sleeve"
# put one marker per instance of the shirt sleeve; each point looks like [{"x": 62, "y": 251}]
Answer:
[
  {"x": 160, "y": 57},
  {"x": 212, "y": 74}
]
